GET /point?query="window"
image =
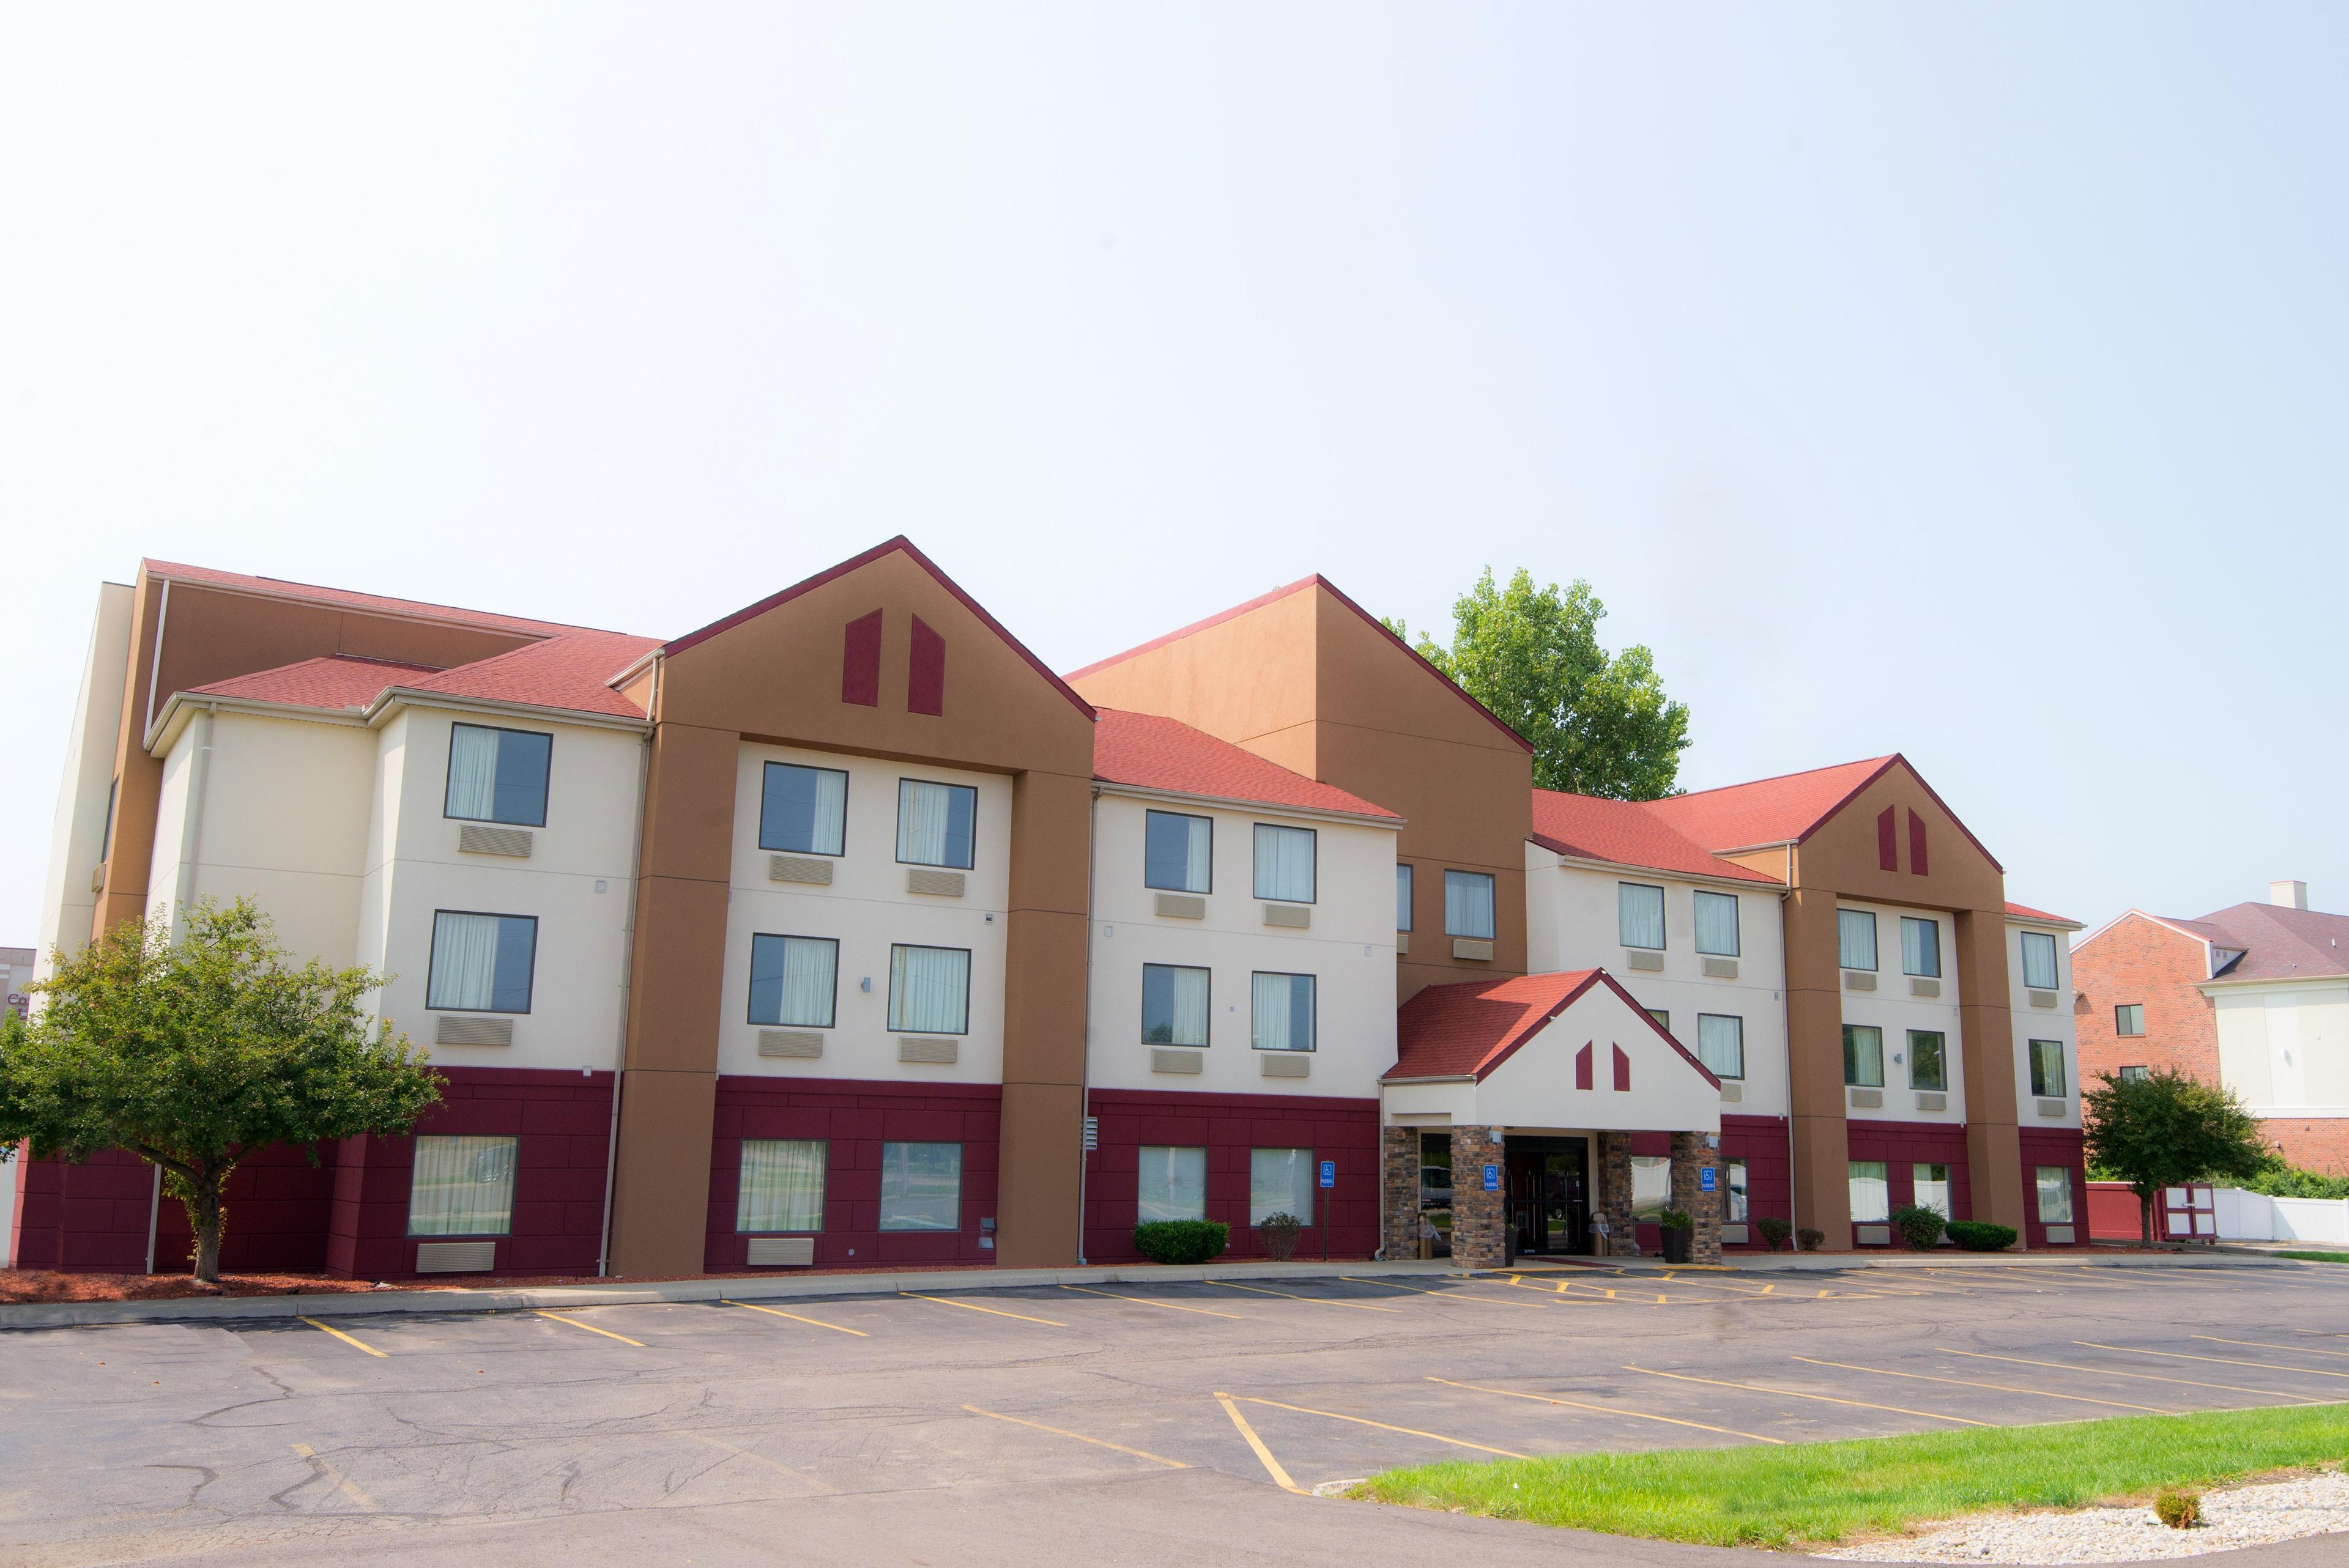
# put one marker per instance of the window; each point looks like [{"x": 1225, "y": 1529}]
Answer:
[
  {"x": 792, "y": 980},
  {"x": 2038, "y": 961},
  {"x": 1652, "y": 1186},
  {"x": 1927, "y": 1060},
  {"x": 497, "y": 775},
  {"x": 481, "y": 962},
  {"x": 782, "y": 1185},
  {"x": 1402, "y": 898},
  {"x": 1174, "y": 1184},
  {"x": 1720, "y": 1043},
  {"x": 2132, "y": 1074},
  {"x": 1639, "y": 913},
  {"x": 1716, "y": 923},
  {"x": 2054, "y": 1183},
  {"x": 2047, "y": 1070},
  {"x": 1284, "y": 863},
  {"x": 936, "y": 823},
  {"x": 1863, "y": 1055},
  {"x": 1871, "y": 1194},
  {"x": 1932, "y": 1188},
  {"x": 803, "y": 811},
  {"x": 1920, "y": 947},
  {"x": 1663, "y": 1018},
  {"x": 1178, "y": 852},
  {"x": 1174, "y": 1005},
  {"x": 929, "y": 990},
  {"x": 1856, "y": 938},
  {"x": 2129, "y": 1018},
  {"x": 921, "y": 1186},
  {"x": 462, "y": 1187},
  {"x": 1280, "y": 1182},
  {"x": 1738, "y": 1209},
  {"x": 1468, "y": 904},
  {"x": 1281, "y": 1010}
]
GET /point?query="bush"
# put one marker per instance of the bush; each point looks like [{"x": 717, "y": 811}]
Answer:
[
  {"x": 1810, "y": 1240},
  {"x": 1919, "y": 1226},
  {"x": 1774, "y": 1230},
  {"x": 2178, "y": 1507},
  {"x": 1981, "y": 1235},
  {"x": 2278, "y": 1179},
  {"x": 1278, "y": 1234},
  {"x": 1181, "y": 1240},
  {"x": 1676, "y": 1220}
]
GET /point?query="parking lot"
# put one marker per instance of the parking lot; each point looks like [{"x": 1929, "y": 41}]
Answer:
[{"x": 1124, "y": 1423}]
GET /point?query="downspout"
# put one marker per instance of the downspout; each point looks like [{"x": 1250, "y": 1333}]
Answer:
[
  {"x": 1085, "y": 1050},
  {"x": 627, "y": 965},
  {"x": 184, "y": 885},
  {"x": 1793, "y": 1215}
]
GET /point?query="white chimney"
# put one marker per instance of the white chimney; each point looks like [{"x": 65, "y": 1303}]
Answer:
[{"x": 2288, "y": 895}]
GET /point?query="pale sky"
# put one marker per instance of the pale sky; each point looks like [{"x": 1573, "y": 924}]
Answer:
[{"x": 1961, "y": 381}]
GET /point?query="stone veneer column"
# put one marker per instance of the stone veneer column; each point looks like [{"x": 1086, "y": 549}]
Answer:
[
  {"x": 1399, "y": 1214},
  {"x": 1689, "y": 1155},
  {"x": 1611, "y": 1187},
  {"x": 1480, "y": 1220}
]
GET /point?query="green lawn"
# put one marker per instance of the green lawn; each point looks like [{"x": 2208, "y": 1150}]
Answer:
[
  {"x": 2317, "y": 1257},
  {"x": 1822, "y": 1493}
]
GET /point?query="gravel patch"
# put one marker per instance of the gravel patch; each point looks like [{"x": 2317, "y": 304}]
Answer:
[{"x": 2238, "y": 1516}]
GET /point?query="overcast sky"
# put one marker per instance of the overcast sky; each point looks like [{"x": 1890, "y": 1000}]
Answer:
[{"x": 1960, "y": 381}]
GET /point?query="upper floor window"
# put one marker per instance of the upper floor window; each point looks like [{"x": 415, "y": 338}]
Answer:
[
  {"x": 1281, "y": 1009},
  {"x": 2129, "y": 1018},
  {"x": 929, "y": 990},
  {"x": 1468, "y": 904},
  {"x": 1402, "y": 898},
  {"x": 1720, "y": 1043},
  {"x": 2038, "y": 961},
  {"x": 1663, "y": 1018},
  {"x": 936, "y": 823},
  {"x": 1177, "y": 852},
  {"x": 1173, "y": 1004},
  {"x": 497, "y": 775},
  {"x": 1863, "y": 1055},
  {"x": 792, "y": 980},
  {"x": 2047, "y": 1070},
  {"x": 1929, "y": 1052},
  {"x": 1920, "y": 947},
  {"x": 803, "y": 811},
  {"x": 1856, "y": 938},
  {"x": 1284, "y": 863},
  {"x": 1716, "y": 923},
  {"x": 481, "y": 962},
  {"x": 1640, "y": 911}
]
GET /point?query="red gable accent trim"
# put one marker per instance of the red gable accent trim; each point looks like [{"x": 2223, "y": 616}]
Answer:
[
  {"x": 926, "y": 676},
  {"x": 1582, "y": 1065},
  {"x": 1622, "y": 1070},
  {"x": 1916, "y": 845},
  {"x": 1529, "y": 1024},
  {"x": 1887, "y": 854},
  {"x": 860, "y": 662}
]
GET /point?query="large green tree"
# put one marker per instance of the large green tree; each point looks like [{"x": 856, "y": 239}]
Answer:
[
  {"x": 2165, "y": 1129},
  {"x": 195, "y": 1052},
  {"x": 1599, "y": 725}
]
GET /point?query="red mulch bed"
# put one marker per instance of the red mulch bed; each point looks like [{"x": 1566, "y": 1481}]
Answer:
[{"x": 22, "y": 1285}]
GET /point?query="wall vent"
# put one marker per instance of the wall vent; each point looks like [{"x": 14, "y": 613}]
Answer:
[
  {"x": 1471, "y": 947},
  {"x": 1858, "y": 980},
  {"x": 2059, "y": 1236},
  {"x": 795, "y": 869},
  {"x": 790, "y": 1043},
  {"x": 1732, "y": 1092},
  {"x": 1732, "y": 1233},
  {"x": 935, "y": 1049},
  {"x": 1720, "y": 968},
  {"x": 1402, "y": 942},
  {"x": 456, "y": 1257},
  {"x": 1919, "y": 986},
  {"x": 1164, "y": 1061},
  {"x": 2042, "y": 998},
  {"x": 1871, "y": 1235},
  {"x": 1295, "y": 916},
  {"x": 470, "y": 1029},
  {"x": 1284, "y": 1064},
  {"x": 474, "y": 838},
  {"x": 1640, "y": 958},
  {"x": 2054, "y": 1107},
  {"x": 941, "y": 885},
  {"x": 1182, "y": 906},
  {"x": 1929, "y": 1099},
  {"x": 1866, "y": 1098},
  {"x": 782, "y": 1252}
]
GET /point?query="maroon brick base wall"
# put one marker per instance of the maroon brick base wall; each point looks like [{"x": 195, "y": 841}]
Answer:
[
  {"x": 1903, "y": 1144},
  {"x": 274, "y": 1216},
  {"x": 855, "y": 1117},
  {"x": 2054, "y": 1146},
  {"x": 1228, "y": 1126},
  {"x": 89, "y": 1218},
  {"x": 1761, "y": 1142}
]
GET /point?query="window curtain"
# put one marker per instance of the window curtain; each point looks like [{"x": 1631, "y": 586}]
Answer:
[
  {"x": 1716, "y": 923},
  {"x": 1174, "y": 1005},
  {"x": 1198, "y": 842},
  {"x": 921, "y": 813},
  {"x": 464, "y": 962},
  {"x": 2054, "y": 1194},
  {"x": 782, "y": 1185},
  {"x": 1720, "y": 1043},
  {"x": 1738, "y": 1206},
  {"x": 461, "y": 1187},
  {"x": 1640, "y": 912},
  {"x": 803, "y": 809},
  {"x": 473, "y": 772},
  {"x": 1927, "y": 1060},
  {"x": 2047, "y": 1068},
  {"x": 1933, "y": 1185},
  {"x": 828, "y": 821},
  {"x": 2039, "y": 961},
  {"x": 1402, "y": 898},
  {"x": 1174, "y": 1184},
  {"x": 1284, "y": 863},
  {"x": 921, "y": 1187},
  {"x": 1467, "y": 904},
  {"x": 792, "y": 980},
  {"x": 1651, "y": 1185},
  {"x": 1863, "y": 1055},
  {"x": 929, "y": 990},
  {"x": 1856, "y": 938},
  {"x": 1871, "y": 1192},
  {"x": 1282, "y": 1010},
  {"x": 1280, "y": 1182},
  {"x": 1177, "y": 851},
  {"x": 1920, "y": 947}
]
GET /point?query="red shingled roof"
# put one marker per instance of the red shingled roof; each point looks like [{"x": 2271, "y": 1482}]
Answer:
[
  {"x": 1150, "y": 752},
  {"x": 1626, "y": 834},
  {"x": 339, "y": 681},
  {"x": 1769, "y": 810},
  {"x": 2024, "y": 912},
  {"x": 1469, "y": 1030},
  {"x": 572, "y": 671}
]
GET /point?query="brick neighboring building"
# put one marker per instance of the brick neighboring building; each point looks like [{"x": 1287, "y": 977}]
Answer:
[{"x": 2254, "y": 997}]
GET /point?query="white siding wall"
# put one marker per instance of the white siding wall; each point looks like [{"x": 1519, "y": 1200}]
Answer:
[
  {"x": 2285, "y": 1050},
  {"x": 1894, "y": 1007},
  {"x": 2043, "y": 1023},
  {"x": 68, "y": 908}
]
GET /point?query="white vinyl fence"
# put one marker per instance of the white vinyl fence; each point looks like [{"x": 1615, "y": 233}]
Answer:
[{"x": 2255, "y": 1217}]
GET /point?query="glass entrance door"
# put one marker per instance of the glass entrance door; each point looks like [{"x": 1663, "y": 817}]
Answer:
[{"x": 1549, "y": 1209}]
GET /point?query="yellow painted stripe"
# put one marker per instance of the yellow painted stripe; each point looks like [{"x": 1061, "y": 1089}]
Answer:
[
  {"x": 1064, "y": 1433},
  {"x": 1824, "y": 1398},
  {"x": 344, "y": 1337},
  {"x": 795, "y": 1317},
  {"x": 2263, "y": 1344},
  {"x": 1271, "y": 1465},
  {"x": 591, "y": 1328},
  {"x": 1145, "y": 1301},
  {"x": 2218, "y": 1361},
  {"x": 343, "y": 1483},
  {"x": 2136, "y": 1376},
  {"x": 1366, "y": 1421},
  {"x": 974, "y": 1306},
  {"x": 2001, "y": 1387},
  {"x": 1608, "y": 1410},
  {"x": 1447, "y": 1294},
  {"x": 1316, "y": 1300}
]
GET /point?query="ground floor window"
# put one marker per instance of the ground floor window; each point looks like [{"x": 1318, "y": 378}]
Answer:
[
  {"x": 2054, "y": 1194},
  {"x": 782, "y": 1185},
  {"x": 462, "y": 1187},
  {"x": 1280, "y": 1182},
  {"x": 921, "y": 1186},
  {"x": 1871, "y": 1192},
  {"x": 1173, "y": 1183},
  {"x": 1932, "y": 1184},
  {"x": 1737, "y": 1204},
  {"x": 1652, "y": 1186}
]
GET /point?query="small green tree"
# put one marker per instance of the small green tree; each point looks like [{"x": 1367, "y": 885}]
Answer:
[
  {"x": 1599, "y": 725},
  {"x": 193, "y": 1054},
  {"x": 2165, "y": 1129}
]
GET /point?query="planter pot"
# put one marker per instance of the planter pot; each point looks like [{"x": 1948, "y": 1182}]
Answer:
[{"x": 1676, "y": 1246}]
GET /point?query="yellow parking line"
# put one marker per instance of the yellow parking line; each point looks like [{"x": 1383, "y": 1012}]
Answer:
[
  {"x": 343, "y": 1483},
  {"x": 1318, "y": 1300},
  {"x": 1366, "y": 1421},
  {"x": 974, "y": 1306},
  {"x": 1064, "y": 1433},
  {"x": 593, "y": 1329},
  {"x": 2001, "y": 1387},
  {"x": 2220, "y": 1360},
  {"x": 2139, "y": 1377},
  {"x": 1447, "y": 1294},
  {"x": 1607, "y": 1409},
  {"x": 1826, "y": 1398},
  {"x": 795, "y": 1317},
  {"x": 746, "y": 1454},
  {"x": 1279, "y": 1476},
  {"x": 344, "y": 1338},
  {"x": 2263, "y": 1344},
  {"x": 1145, "y": 1301}
]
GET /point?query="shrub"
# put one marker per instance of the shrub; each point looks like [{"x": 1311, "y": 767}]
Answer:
[
  {"x": 1181, "y": 1240},
  {"x": 1810, "y": 1240},
  {"x": 1919, "y": 1226},
  {"x": 1278, "y": 1234},
  {"x": 1981, "y": 1235},
  {"x": 1774, "y": 1230},
  {"x": 2178, "y": 1507},
  {"x": 1676, "y": 1220}
]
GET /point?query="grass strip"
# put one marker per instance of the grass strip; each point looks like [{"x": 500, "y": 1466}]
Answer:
[
  {"x": 1819, "y": 1494},
  {"x": 2315, "y": 1257}
]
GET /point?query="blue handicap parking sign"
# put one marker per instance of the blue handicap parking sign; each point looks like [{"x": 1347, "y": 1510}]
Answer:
[
  {"x": 1329, "y": 1173},
  {"x": 1704, "y": 1178},
  {"x": 1492, "y": 1178}
]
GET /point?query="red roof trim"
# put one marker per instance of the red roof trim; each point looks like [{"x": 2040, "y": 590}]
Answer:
[
  {"x": 1665, "y": 1035},
  {"x": 750, "y": 611}
]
